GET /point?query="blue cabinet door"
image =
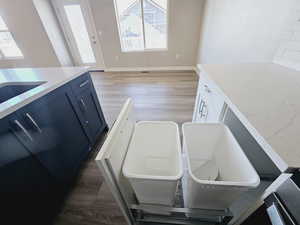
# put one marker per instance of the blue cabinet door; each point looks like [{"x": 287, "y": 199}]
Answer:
[
  {"x": 93, "y": 118},
  {"x": 59, "y": 141},
  {"x": 90, "y": 111},
  {"x": 26, "y": 188},
  {"x": 20, "y": 172}
]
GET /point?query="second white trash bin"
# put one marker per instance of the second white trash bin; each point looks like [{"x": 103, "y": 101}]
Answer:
[
  {"x": 216, "y": 169},
  {"x": 153, "y": 162}
]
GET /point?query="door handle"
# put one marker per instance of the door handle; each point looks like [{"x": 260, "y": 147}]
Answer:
[
  {"x": 34, "y": 122},
  {"x": 23, "y": 129},
  {"x": 84, "y": 83},
  {"x": 200, "y": 107},
  {"x": 207, "y": 88},
  {"x": 83, "y": 104},
  {"x": 204, "y": 114}
]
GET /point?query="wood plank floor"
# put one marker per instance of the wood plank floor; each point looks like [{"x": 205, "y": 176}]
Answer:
[{"x": 156, "y": 96}]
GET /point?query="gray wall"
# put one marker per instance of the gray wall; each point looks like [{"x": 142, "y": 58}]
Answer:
[
  {"x": 184, "y": 29},
  {"x": 242, "y": 30},
  {"x": 23, "y": 21}
]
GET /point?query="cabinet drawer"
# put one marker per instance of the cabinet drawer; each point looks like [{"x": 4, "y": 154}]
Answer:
[
  {"x": 81, "y": 83},
  {"x": 211, "y": 91}
]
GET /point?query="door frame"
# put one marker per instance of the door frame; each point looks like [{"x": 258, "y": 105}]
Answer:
[{"x": 91, "y": 28}]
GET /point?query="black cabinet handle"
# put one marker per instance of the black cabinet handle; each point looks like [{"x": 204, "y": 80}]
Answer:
[
  {"x": 207, "y": 88},
  {"x": 34, "y": 123},
  {"x": 23, "y": 129}
]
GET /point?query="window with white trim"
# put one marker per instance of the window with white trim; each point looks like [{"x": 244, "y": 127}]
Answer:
[
  {"x": 143, "y": 24},
  {"x": 8, "y": 46}
]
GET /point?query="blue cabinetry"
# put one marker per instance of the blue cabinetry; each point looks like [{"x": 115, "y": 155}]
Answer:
[
  {"x": 19, "y": 170},
  {"x": 43, "y": 144},
  {"x": 58, "y": 138},
  {"x": 90, "y": 111},
  {"x": 25, "y": 185}
]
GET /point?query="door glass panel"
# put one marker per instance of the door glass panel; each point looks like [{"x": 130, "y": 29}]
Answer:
[
  {"x": 8, "y": 45},
  {"x": 130, "y": 24},
  {"x": 80, "y": 33},
  {"x": 2, "y": 24},
  {"x": 155, "y": 22}
]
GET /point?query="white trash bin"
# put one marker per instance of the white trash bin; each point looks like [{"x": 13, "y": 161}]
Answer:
[
  {"x": 216, "y": 169},
  {"x": 153, "y": 162}
]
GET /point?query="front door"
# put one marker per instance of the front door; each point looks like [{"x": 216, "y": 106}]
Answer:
[{"x": 78, "y": 26}]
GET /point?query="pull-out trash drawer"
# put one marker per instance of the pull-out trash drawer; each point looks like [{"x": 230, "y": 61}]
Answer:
[
  {"x": 149, "y": 155},
  {"x": 217, "y": 170},
  {"x": 153, "y": 162}
]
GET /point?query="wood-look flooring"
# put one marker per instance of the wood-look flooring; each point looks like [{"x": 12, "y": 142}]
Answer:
[{"x": 157, "y": 96}]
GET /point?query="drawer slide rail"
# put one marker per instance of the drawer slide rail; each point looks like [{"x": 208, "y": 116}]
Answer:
[{"x": 174, "y": 215}]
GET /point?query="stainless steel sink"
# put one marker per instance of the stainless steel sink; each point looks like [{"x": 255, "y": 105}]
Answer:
[{"x": 10, "y": 90}]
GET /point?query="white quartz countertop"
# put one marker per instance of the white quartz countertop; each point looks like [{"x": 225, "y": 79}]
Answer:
[
  {"x": 267, "y": 96},
  {"x": 53, "y": 78}
]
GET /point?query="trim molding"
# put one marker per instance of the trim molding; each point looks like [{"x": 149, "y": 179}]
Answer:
[
  {"x": 198, "y": 69},
  {"x": 140, "y": 69}
]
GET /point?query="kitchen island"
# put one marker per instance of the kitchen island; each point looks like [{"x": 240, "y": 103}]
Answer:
[
  {"x": 48, "y": 78},
  {"x": 50, "y": 118}
]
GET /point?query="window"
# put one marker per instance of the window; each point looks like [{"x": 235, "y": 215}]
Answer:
[
  {"x": 8, "y": 46},
  {"x": 142, "y": 24}
]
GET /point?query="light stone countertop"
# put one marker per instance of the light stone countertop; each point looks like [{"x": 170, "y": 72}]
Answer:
[
  {"x": 52, "y": 78},
  {"x": 266, "y": 98}
]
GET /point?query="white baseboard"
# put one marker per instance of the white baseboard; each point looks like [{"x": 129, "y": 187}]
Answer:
[
  {"x": 139, "y": 69},
  {"x": 96, "y": 68}
]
